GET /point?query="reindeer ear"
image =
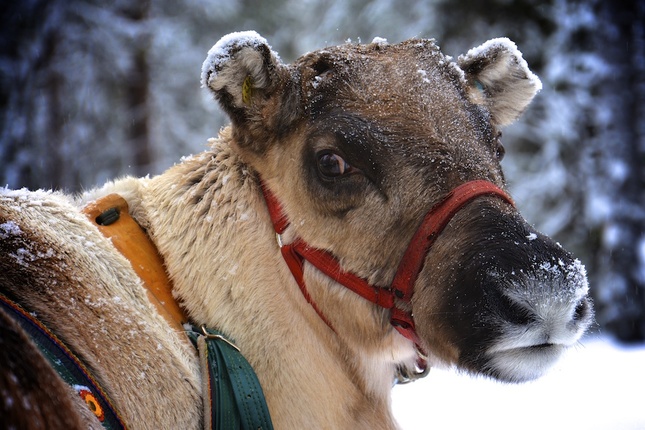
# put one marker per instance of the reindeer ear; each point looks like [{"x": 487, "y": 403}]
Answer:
[
  {"x": 251, "y": 84},
  {"x": 499, "y": 77}
]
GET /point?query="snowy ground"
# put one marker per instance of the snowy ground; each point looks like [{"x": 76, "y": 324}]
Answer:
[{"x": 599, "y": 385}]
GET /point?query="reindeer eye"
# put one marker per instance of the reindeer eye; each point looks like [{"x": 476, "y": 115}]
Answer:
[
  {"x": 332, "y": 165},
  {"x": 500, "y": 151}
]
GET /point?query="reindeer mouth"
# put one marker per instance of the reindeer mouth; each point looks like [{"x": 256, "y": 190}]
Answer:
[
  {"x": 524, "y": 363},
  {"x": 535, "y": 329},
  {"x": 542, "y": 346}
]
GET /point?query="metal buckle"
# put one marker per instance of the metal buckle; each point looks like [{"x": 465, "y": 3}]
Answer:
[
  {"x": 404, "y": 375},
  {"x": 218, "y": 337}
]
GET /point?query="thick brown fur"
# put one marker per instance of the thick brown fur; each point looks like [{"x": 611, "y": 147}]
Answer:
[
  {"x": 57, "y": 265},
  {"x": 33, "y": 395},
  {"x": 357, "y": 142}
]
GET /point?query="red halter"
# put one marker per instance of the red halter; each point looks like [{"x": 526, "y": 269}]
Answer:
[{"x": 402, "y": 287}]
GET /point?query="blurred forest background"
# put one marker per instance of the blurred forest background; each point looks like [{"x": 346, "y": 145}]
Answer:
[{"x": 94, "y": 89}]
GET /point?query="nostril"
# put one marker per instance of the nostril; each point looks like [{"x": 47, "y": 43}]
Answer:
[
  {"x": 582, "y": 310},
  {"x": 516, "y": 313}
]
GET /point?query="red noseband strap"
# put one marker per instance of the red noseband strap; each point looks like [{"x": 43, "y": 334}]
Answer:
[
  {"x": 409, "y": 269},
  {"x": 431, "y": 227}
]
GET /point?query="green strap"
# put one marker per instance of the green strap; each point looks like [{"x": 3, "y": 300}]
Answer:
[
  {"x": 236, "y": 397},
  {"x": 67, "y": 364}
]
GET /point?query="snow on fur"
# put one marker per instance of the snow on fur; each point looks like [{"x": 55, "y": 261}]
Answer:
[
  {"x": 492, "y": 46},
  {"x": 220, "y": 53}
]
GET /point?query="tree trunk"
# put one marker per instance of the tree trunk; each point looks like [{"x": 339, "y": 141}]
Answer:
[
  {"x": 137, "y": 93},
  {"x": 622, "y": 307}
]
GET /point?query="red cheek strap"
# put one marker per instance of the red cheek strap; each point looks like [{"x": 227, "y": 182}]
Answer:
[{"x": 411, "y": 265}]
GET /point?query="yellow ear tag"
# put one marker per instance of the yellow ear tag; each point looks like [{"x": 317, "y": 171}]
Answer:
[{"x": 247, "y": 90}]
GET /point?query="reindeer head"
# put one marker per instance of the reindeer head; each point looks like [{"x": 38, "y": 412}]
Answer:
[{"x": 360, "y": 142}]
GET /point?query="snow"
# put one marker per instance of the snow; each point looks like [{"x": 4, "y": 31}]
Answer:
[
  {"x": 595, "y": 386},
  {"x": 220, "y": 52},
  {"x": 503, "y": 43},
  {"x": 9, "y": 228},
  {"x": 424, "y": 75},
  {"x": 316, "y": 82}
]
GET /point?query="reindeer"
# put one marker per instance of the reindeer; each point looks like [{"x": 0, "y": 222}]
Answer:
[{"x": 348, "y": 229}]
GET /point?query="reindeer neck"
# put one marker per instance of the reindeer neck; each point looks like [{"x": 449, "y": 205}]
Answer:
[{"x": 209, "y": 221}]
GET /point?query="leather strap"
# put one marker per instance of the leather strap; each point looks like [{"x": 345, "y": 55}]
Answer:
[
  {"x": 431, "y": 227},
  {"x": 236, "y": 398},
  {"x": 111, "y": 216},
  {"x": 233, "y": 397},
  {"x": 402, "y": 287}
]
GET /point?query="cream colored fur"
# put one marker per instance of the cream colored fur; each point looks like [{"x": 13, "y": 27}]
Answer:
[{"x": 228, "y": 273}]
